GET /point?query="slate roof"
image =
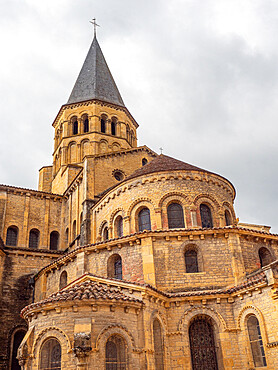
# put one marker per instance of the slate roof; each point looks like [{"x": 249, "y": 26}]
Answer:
[{"x": 95, "y": 80}]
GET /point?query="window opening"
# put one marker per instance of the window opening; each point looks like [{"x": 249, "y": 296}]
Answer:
[
  {"x": 105, "y": 233},
  {"x": 50, "y": 356},
  {"x": 227, "y": 218},
  {"x": 54, "y": 240},
  {"x": 119, "y": 226},
  {"x": 115, "y": 353},
  {"x": 144, "y": 219},
  {"x": 158, "y": 345},
  {"x": 86, "y": 125},
  {"x": 34, "y": 238},
  {"x": 63, "y": 280},
  {"x": 191, "y": 261},
  {"x": 75, "y": 127},
  {"x": 17, "y": 339},
  {"x": 113, "y": 127},
  {"x": 256, "y": 342},
  {"x": 265, "y": 256},
  {"x": 144, "y": 161},
  {"x": 11, "y": 238},
  {"x": 175, "y": 216},
  {"x": 206, "y": 216},
  {"x": 202, "y": 346},
  {"x": 119, "y": 176},
  {"x": 102, "y": 125}
]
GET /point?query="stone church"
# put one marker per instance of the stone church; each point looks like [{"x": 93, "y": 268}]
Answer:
[{"x": 126, "y": 259}]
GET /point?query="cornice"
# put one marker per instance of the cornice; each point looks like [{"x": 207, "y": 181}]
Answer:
[{"x": 30, "y": 192}]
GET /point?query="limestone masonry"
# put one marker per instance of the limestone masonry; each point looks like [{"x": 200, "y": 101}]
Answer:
[{"x": 125, "y": 259}]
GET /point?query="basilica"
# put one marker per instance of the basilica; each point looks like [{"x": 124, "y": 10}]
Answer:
[{"x": 128, "y": 259}]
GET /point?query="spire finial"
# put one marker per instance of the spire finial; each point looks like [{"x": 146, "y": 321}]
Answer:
[
  {"x": 161, "y": 150},
  {"x": 93, "y": 21}
]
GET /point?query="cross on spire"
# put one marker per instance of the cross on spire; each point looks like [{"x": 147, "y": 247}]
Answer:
[
  {"x": 93, "y": 21},
  {"x": 161, "y": 150}
]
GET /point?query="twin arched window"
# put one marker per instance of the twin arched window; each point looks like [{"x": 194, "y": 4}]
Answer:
[
  {"x": 12, "y": 235},
  {"x": 175, "y": 216},
  {"x": 191, "y": 261},
  {"x": 206, "y": 217},
  {"x": 115, "y": 267},
  {"x": 50, "y": 356},
  {"x": 256, "y": 342},
  {"x": 34, "y": 238},
  {"x": 116, "y": 353},
  {"x": 144, "y": 219}
]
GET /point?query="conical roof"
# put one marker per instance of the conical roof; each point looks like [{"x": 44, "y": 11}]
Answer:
[{"x": 95, "y": 80}]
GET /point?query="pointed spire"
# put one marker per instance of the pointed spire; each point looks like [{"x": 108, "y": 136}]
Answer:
[{"x": 95, "y": 80}]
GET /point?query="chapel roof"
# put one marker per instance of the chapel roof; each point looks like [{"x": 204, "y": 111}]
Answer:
[
  {"x": 164, "y": 163},
  {"x": 95, "y": 80}
]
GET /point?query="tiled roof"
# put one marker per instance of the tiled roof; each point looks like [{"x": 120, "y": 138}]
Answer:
[
  {"x": 95, "y": 80},
  {"x": 86, "y": 290}
]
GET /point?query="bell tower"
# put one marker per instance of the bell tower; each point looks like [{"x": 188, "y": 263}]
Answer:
[{"x": 94, "y": 121}]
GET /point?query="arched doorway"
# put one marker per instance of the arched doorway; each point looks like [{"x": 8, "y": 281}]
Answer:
[
  {"x": 202, "y": 345},
  {"x": 17, "y": 339}
]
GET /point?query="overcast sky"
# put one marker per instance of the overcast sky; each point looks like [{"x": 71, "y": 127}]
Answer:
[{"x": 199, "y": 76}]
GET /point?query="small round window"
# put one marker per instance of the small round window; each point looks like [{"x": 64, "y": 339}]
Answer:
[{"x": 119, "y": 176}]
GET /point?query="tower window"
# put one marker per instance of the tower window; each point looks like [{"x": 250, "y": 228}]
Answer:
[
  {"x": 54, "y": 240},
  {"x": 206, "y": 216},
  {"x": 103, "y": 125},
  {"x": 73, "y": 230},
  {"x": 144, "y": 219},
  {"x": 227, "y": 218},
  {"x": 86, "y": 125},
  {"x": 191, "y": 261},
  {"x": 144, "y": 161},
  {"x": 175, "y": 216},
  {"x": 75, "y": 127},
  {"x": 11, "y": 238},
  {"x": 67, "y": 236},
  {"x": 113, "y": 127},
  {"x": 256, "y": 342},
  {"x": 34, "y": 237}
]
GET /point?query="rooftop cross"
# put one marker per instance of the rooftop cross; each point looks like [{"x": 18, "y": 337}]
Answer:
[
  {"x": 93, "y": 21},
  {"x": 161, "y": 150}
]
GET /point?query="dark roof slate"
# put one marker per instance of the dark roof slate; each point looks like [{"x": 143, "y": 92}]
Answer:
[{"x": 95, "y": 80}]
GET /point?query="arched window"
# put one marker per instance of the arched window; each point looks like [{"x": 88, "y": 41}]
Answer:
[
  {"x": 144, "y": 219},
  {"x": 115, "y": 353},
  {"x": 17, "y": 339},
  {"x": 175, "y": 216},
  {"x": 158, "y": 345},
  {"x": 85, "y": 124},
  {"x": 12, "y": 234},
  {"x": 67, "y": 236},
  {"x": 228, "y": 218},
  {"x": 256, "y": 342},
  {"x": 105, "y": 234},
  {"x": 202, "y": 345},
  {"x": 50, "y": 355},
  {"x": 81, "y": 220},
  {"x": 114, "y": 267},
  {"x": 144, "y": 161},
  {"x": 63, "y": 280},
  {"x": 191, "y": 261},
  {"x": 113, "y": 126},
  {"x": 265, "y": 256},
  {"x": 206, "y": 216},
  {"x": 73, "y": 230},
  {"x": 127, "y": 133},
  {"x": 54, "y": 240},
  {"x": 119, "y": 226},
  {"x": 75, "y": 127},
  {"x": 34, "y": 237},
  {"x": 103, "y": 124}
]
